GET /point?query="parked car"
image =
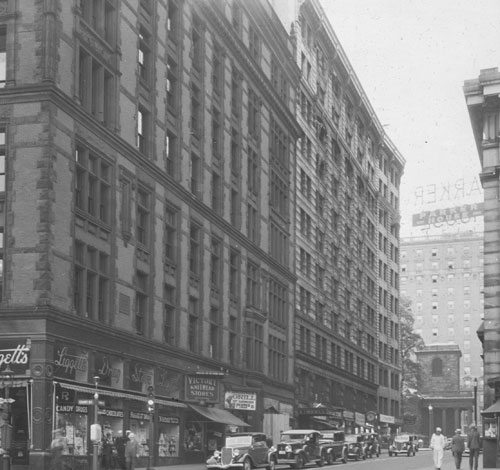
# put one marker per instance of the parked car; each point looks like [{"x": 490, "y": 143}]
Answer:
[
  {"x": 244, "y": 450},
  {"x": 353, "y": 448},
  {"x": 403, "y": 444},
  {"x": 335, "y": 439},
  {"x": 299, "y": 447}
]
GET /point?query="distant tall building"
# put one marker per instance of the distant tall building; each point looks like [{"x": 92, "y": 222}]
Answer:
[
  {"x": 443, "y": 278},
  {"x": 347, "y": 240}
]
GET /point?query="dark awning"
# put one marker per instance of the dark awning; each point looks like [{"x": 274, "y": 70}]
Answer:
[
  {"x": 219, "y": 416},
  {"x": 493, "y": 409}
]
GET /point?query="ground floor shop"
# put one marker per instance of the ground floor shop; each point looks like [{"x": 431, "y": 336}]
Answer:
[{"x": 53, "y": 386}]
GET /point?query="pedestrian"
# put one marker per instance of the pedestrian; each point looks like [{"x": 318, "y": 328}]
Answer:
[
  {"x": 58, "y": 448},
  {"x": 131, "y": 451},
  {"x": 120, "y": 442},
  {"x": 107, "y": 462},
  {"x": 437, "y": 445},
  {"x": 457, "y": 447},
  {"x": 474, "y": 445}
]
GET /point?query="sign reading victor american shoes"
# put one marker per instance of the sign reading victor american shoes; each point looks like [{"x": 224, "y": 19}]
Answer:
[{"x": 201, "y": 388}]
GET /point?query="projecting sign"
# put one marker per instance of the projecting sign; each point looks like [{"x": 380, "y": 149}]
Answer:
[{"x": 240, "y": 401}]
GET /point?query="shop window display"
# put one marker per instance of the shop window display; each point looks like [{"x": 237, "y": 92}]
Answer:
[
  {"x": 168, "y": 440},
  {"x": 139, "y": 425},
  {"x": 193, "y": 438},
  {"x": 74, "y": 426}
]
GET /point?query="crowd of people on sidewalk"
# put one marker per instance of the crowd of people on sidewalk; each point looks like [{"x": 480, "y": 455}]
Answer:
[
  {"x": 439, "y": 443},
  {"x": 115, "y": 453}
]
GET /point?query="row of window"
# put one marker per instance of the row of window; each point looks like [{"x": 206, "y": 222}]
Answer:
[{"x": 435, "y": 278}]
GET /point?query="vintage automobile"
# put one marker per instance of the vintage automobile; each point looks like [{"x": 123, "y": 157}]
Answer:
[
  {"x": 403, "y": 444},
  {"x": 245, "y": 450},
  {"x": 353, "y": 447},
  {"x": 335, "y": 439},
  {"x": 299, "y": 447}
]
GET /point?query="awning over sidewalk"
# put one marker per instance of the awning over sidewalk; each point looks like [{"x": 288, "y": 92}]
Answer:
[
  {"x": 218, "y": 415},
  {"x": 493, "y": 409}
]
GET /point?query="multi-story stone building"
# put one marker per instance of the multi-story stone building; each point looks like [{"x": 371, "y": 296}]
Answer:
[
  {"x": 443, "y": 278},
  {"x": 482, "y": 98},
  {"x": 347, "y": 217},
  {"x": 147, "y": 223}
]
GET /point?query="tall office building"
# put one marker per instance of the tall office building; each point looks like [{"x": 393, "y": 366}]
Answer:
[
  {"x": 443, "y": 278},
  {"x": 348, "y": 175},
  {"x": 147, "y": 168}
]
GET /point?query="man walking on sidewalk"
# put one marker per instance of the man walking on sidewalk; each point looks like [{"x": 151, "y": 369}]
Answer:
[
  {"x": 457, "y": 448},
  {"x": 474, "y": 445},
  {"x": 437, "y": 445}
]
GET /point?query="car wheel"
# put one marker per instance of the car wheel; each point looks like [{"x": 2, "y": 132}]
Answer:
[
  {"x": 247, "y": 464},
  {"x": 408, "y": 453},
  {"x": 321, "y": 461},
  {"x": 272, "y": 464},
  {"x": 390, "y": 454},
  {"x": 330, "y": 458},
  {"x": 299, "y": 461},
  {"x": 344, "y": 457}
]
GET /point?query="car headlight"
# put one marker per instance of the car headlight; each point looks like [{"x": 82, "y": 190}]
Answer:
[
  {"x": 216, "y": 454},
  {"x": 236, "y": 452},
  {"x": 288, "y": 448}
]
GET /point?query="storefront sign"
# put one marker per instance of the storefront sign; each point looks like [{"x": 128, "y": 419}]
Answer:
[
  {"x": 348, "y": 415},
  {"x": 72, "y": 408},
  {"x": 321, "y": 411},
  {"x": 448, "y": 215},
  {"x": 168, "y": 419},
  {"x": 71, "y": 363},
  {"x": 15, "y": 355},
  {"x": 387, "y": 419},
  {"x": 240, "y": 401},
  {"x": 202, "y": 388},
  {"x": 141, "y": 416},
  {"x": 359, "y": 418},
  {"x": 111, "y": 413}
]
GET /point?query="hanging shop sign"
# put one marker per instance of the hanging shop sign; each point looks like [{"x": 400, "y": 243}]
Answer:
[
  {"x": 359, "y": 418},
  {"x": 201, "y": 388},
  {"x": 240, "y": 401},
  {"x": 387, "y": 419},
  {"x": 371, "y": 416},
  {"x": 15, "y": 354},
  {"x": 71, "y": 363}
]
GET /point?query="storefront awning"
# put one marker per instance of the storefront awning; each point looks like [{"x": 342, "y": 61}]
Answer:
[
  {"x": 493, "y": 409},
  {"x": 113, "y": 393},
  {"x": 219, "y": 416}
]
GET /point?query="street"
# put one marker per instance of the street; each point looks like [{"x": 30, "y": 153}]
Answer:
[{"x": 422, "y": 461}]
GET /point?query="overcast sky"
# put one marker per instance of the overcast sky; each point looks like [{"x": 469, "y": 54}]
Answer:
[{"x": 412, "y": 57}]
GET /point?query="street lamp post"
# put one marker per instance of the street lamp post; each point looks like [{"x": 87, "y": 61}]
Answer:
[
  {"x": 7, "y": 381},
  {"x": 430, "y": 420},
  {"x": 475, "y": 401},
  {"x": 96, "y": 435},
  {"x": 151, "y": 411}
]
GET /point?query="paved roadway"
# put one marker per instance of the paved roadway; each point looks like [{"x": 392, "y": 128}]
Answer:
[{"x": 422, "y": 461}]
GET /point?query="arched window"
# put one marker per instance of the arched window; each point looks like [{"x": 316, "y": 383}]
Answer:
[{"x": 437, "y": 367}]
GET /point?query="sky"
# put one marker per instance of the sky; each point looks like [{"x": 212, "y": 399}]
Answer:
[{"x": 412, "y": 58}]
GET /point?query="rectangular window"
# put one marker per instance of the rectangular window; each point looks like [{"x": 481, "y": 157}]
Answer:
[
  {"x": 197, "y": 43},
  {"x": 254, "y": 348},
  {"x": 171, "y": 150},
  {"x": 195, "y": 111},
  {"x": 91, "y": 282},
  {"x": 253, "y": 223},
  {"x": 193, "y": 325},
  {"x": 253, "y": 172},
  {"x": 234, "y": 275},
  {"x": 216, "y": 263},
  {"x": 170, "y": 320},
  {"x": 171, "y": 235},
  {"x": 235, "y": 94},
  {"x": 143, "y": 217},
  {"x": 233, "y": 340},
  {"x": 253, "y": 115},
  {"x": 195, "y": 175},
  {"x": 253, "y": 286},
  {"x": 144, "y": 56},
  {"x": 217, "y": 70},
  {"x": 173, "y": 20},
  {"x": 172, "y": 85},
  {"x": 141, "y": 302},
  {"x": 194, "y": 249},
  {"x": 143, "y": 129},
  {"x": 277, "y": 358},
  {"x": 216, "y": 193},
  {"x": 235, "y": 209},
  {"x": 216, "y": 134},
  {"x": 254, "y": 43},
  {"x": 92, "y": 185},
  {"x": 3, "y": 56},
  {"x": 215, "y": 333}
]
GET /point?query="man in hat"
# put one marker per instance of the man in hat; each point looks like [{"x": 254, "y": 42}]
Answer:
[
  {"x": 120, "y": 443},
  {"x": 474, "y": 445},
  {"x": 131, "y": 448},
  {"x": 457, "y": 447},
  {"x": 437, "y": 445}
]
